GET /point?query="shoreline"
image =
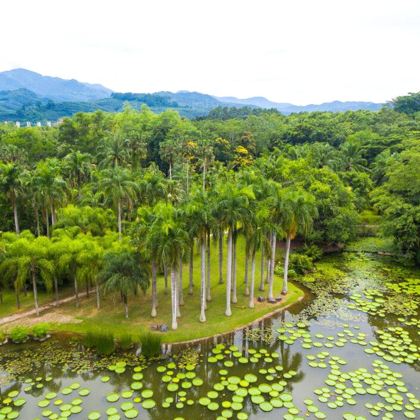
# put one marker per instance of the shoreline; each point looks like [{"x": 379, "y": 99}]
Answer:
[{"x": 261, "y": 318}]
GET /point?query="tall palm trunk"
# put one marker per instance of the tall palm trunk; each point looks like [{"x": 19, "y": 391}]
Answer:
[
  {"x": 56, "y": 290},
  {"x": 17, "y": 298},
  {"x": 251, "y": 294},
  {"x": 203, "y": 282},
  {"x": 191, "y": 270},
  {"x": 154, "y": 289},
  {"x": 35, "y": 289},
  {"x": 15, "y": 214},
  {"x": 52, "y": 214},
  {"x": 47, "y": 221},
  {"x": 273, "y": 263},
  {"x": 246, "y": 272},
  {"x": 125, "y": 300},
  {"x": 180, "y": 289},
  {"x": 208, "y": 294},
  {"x": 228, "y": 311},
  {"x": 98, "y": 299},
  {"x": 261, "y": 288},
  {"x": 221, "y": 256},
  {"x": 204, "y": 173},
  {"x": 286, "y": 266},
  {"x": 234, "y": 295},
  {"x": 174, "y": 298},
  {"x": 165, "y": 275},
  {"x": 119, "y": 220},
  {"x": 38, "y": 228},
  {"x": 76, "y": 292}
]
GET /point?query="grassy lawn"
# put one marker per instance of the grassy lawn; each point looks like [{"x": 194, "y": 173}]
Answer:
[
  {"x": 111, "y": 315},
  {"x": 8, "y": 306}
]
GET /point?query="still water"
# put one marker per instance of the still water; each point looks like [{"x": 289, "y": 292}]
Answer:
[{"x": 272, "y": 369}]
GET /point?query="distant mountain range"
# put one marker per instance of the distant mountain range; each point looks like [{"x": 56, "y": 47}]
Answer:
[
  {"x": 29, "y": 96},
  {"x": 52, "y": 87},
  {"x": 287, "y": 108}
]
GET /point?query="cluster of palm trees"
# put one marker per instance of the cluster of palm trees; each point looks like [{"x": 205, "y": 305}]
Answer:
[
  {"x": 260, "y": 212},
  {"x": 162, "y": 236}
]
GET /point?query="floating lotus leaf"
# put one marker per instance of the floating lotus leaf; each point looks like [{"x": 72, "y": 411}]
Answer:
[
  {"x": 136, "y": 386},
  {"x": 76, "y": 409},
  {"x": 127, "y": 406},
  {"x": 147, "y": 393},
  {"x": 111, "y": 411},
  {"x": 84, "y": 392},
  {"x": 19, "y": 402},
  {"x": 266, "y": 406},
  {"x": 94, "y": 415},
  {"x": 113, "y": 397}
]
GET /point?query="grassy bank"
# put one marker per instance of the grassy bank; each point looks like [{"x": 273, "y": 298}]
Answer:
[{"x": 110, "y": 317}]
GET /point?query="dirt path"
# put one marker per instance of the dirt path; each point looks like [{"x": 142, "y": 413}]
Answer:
[{"x": 26, "y": 314}]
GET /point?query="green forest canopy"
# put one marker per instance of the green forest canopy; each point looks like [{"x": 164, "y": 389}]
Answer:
[{"x": 138, "y": 182}]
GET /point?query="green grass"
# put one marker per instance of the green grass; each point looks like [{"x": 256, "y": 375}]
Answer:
[
  {"x": 110, "y": 317},
  {"x": 8, "y": 306}
]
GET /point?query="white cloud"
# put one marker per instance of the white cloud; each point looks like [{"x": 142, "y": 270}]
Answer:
[{"x": 300, "y": 51}]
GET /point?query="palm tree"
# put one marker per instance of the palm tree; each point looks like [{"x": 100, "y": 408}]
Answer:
[
  {"x": 30, "y": 258},
  {"x": 113, "y": 152},
  {"x": 199, "y": 220},
  {"x": 205, "y": 156},
  {"x": 68, "y": 262},
  {"x": 168, "y": 231},
  {"x": 351, "y": 157},
  {"x": 10, "y": 185},
  {"x": 90, "y": 262},
  {"x": 123, "y": 273},
  {"x": 117, "y": 186},
  {"x": 232, "y": 208},
  {"x": 9, "y": 269},
  {"x": 51, "y": 186},
  {"x": 77, "y": 166},
  {"x": 298, "y": 212},
  {"x": 275, "y": 203}
]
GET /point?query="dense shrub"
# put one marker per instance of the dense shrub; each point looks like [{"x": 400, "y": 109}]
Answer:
[
  {"x": 40, "y": 330},
  {"x": 18, "y": 334}
]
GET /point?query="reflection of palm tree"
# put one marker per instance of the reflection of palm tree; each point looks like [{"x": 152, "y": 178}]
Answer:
[{"x": 291, "y": 362}]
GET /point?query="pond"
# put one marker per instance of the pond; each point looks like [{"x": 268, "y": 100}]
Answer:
[{"x": 351, "y": 351}]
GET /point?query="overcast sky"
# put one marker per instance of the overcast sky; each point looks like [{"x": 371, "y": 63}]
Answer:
[{"x": 299, "y": 51}]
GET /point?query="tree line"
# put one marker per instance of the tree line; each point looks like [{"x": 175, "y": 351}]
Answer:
[{"x": 115, "y": 199}]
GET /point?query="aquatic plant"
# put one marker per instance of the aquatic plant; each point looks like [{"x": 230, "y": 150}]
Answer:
[
  {"x": 151, "y": 344},
  {"x": 126, "y": 341},
  {"x": 102, "y": 342}
]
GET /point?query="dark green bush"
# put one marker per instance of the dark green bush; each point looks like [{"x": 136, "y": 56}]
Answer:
[
  {"x": 102, "y": 342},
  {"x": 150, "y": 344},
  {"x": 301, "y": 263},
  {"x": 312, "y": 251},
  {"x": 40, "y": 330},
  {"x": 18, "y": 334}
]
